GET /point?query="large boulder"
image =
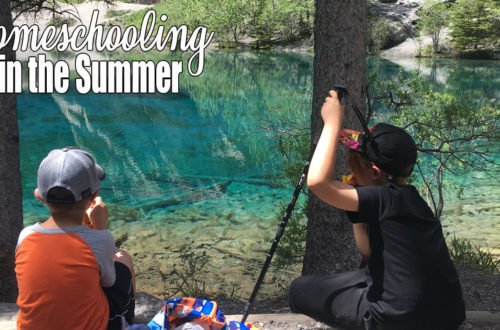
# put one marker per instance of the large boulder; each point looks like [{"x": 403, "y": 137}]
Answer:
[{"x": 399, "y": 16}]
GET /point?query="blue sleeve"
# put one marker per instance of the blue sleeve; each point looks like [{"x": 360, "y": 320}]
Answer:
[{"x": 373, "y": 200}]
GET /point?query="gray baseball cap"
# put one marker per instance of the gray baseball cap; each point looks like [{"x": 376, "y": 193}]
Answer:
[{"x": 70, "y": 168}]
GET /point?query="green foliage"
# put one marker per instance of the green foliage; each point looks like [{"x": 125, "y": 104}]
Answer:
[
  {"x": 427, "y": 51},
  {"x": 280, "y": 21},
  {"x": 295, "y": 148},
  {"x": 453, "y": 135},
  {"x": 464, "y": 252},
  {"x": 269, "y": 22},
  {"x": 74, "y": 2},
  {"x": 293, "y": 243},
  {"x": 433, "y": 19},
  {"x": 113, "y": 13},
  {"x": 54, "y": 7},
  {"x": 378, "y": 34},
  {"x": 475, "y": 24},
  {"x": 58, "y": 21},
  {"x": 141, "y": 2},
  {"x": 227, "y": 18},
  {"x": 189, "y": 280}
]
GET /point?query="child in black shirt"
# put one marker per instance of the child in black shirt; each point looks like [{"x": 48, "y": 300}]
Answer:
[{"x": 410, "y": 281}]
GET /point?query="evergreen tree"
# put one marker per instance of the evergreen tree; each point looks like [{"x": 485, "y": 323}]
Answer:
[
  {"x": 339, "y": 58},
  {"x": 475, "y": 24},
  {"x": 11, "y": 215}
]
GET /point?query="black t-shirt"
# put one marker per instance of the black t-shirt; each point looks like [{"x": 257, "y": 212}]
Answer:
[{"x": 414, "y": 280}]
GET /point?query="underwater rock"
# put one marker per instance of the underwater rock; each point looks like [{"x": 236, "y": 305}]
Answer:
[
  {"x": 123, "y": 213},
  {"x": 120, "y": 239}
]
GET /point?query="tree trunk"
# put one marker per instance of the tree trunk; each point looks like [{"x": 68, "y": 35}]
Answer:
[
  {"x": 11, "y": 218},
  {"x": 339, "y": 58}
]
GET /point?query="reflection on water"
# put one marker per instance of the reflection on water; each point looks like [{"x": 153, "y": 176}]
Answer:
[
  {"x": 170, "y": 149},
  {"x": 201, "y": 168},
  {"x": 468, "y": 78}
]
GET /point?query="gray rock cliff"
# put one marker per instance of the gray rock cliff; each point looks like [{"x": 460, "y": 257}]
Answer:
[{"x": 400, "y": 15}]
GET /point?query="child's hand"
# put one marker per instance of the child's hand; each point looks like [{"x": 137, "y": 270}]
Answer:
[
  {"x": 332, "y": 111},
  {"x": 98, "y": 214}
]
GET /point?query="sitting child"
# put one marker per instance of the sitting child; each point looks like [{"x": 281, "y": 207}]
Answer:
[
  {"x": 410, "y": 281},
  {"x": 69, "y": 275}
]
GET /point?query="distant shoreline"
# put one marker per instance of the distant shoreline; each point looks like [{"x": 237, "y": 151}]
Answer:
[{"x": 407, "y": 49}]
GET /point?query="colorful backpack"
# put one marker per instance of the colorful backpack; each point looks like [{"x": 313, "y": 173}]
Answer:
[{"x": 178, "y": 311}]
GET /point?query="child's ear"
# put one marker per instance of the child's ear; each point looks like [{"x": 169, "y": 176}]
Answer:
[
  {"x": 38, "y": 196},
  {"x": 376, "y": 172}
]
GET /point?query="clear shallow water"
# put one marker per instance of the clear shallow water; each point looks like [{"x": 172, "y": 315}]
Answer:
[
  {"x": 156, "y": 149},
  {"x": 203, "y": 168},
  {"x": 168, "y": 151}
]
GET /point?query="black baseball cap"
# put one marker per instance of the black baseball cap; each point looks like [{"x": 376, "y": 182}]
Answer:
[{"x": 389, "y": 147}]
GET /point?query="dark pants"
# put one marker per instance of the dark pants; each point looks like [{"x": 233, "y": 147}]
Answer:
[
  {"x": 120, "y": 298},
  {"x": 337, "y": 300}
]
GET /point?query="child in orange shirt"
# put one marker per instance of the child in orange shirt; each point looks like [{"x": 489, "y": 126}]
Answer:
[{"x": 69, "y": 275}]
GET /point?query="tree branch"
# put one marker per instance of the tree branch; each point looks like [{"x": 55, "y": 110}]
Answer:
[
  {"x": 427, "y": 186},
  {"x": 20, "y": 7},
  {"x": 397, "y": 105}
]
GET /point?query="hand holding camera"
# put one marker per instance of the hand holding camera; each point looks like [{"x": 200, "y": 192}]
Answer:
[{"x": 332, "y": 111}]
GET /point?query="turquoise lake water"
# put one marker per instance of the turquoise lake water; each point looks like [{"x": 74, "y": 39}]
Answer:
[
  {"x": 209, "y": 152},
  {"x": 162, "y": 152}
]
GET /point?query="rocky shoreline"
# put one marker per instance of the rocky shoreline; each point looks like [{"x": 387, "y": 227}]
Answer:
[
  {"x": 400, "y": 15},
  {"x": 481, "y": 293}
]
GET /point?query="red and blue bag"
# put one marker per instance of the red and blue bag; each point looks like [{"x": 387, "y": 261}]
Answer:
[{"x": 178, "y": 311}]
